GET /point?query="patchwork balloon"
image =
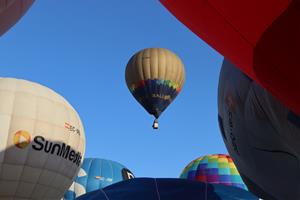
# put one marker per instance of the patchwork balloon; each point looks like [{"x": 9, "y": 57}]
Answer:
[{"x": 215, "y": 168}]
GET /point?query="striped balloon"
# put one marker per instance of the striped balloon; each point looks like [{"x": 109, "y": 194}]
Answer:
[
  {"x": 155, "y": 76},
  {"x": 97, "y": 173},
  {"x": 216, "y": 168}
]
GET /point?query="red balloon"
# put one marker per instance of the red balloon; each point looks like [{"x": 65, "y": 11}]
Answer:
[
  {"x": 11, "y": 11},
  {"x": 262, "y": 38}
]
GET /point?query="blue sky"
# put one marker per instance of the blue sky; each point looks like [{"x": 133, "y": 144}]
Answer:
[{"x": 80, "y": 49}]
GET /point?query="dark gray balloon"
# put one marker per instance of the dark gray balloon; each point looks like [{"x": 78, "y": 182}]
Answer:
[
  {"x": 261, "y": 135},
  {"x": 167, "y": 189}
]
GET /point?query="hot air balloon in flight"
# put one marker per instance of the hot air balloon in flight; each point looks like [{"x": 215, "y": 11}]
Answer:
[
  {"x": 259, "y": 37},
  {"x": 11, "y": 11},
  {"x": 215, "y": 168},
  {"x": 96, "y": 173},
  {"x": 261, "y": 134},
  {"x": 42, "y": 141},
  {"x": 155, "y": 76},
  {"x": 167, "y": 189}
]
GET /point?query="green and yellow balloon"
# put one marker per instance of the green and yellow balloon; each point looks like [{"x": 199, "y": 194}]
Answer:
[{"x": 155, "y": 77}]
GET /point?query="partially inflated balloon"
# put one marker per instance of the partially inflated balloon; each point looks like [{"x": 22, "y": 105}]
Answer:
[
  {"x": 96, "y": 173},
  {"x": 215, "y": 168},
  {"x": 155, "y": 76},
  {"x": 42, "y": 141},
  {"x": 11, "y": 11},
  {"x": 261, "y": 134}
]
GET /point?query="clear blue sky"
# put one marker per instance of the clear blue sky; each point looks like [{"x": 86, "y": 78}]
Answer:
[{"x": 80, "y": 49}]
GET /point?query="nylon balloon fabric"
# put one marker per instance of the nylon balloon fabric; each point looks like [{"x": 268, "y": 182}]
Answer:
[
  {"x": 42, "y": 141},
  {"x": 96, "y": 173},
  {"x": 155, "y": 76},
  {"x": 261, "y": 135},
  {"x": 259, "y": 37},
  {"x": 167, "y": 189},
  {"x": 11, "y": 11},
  {"x": 216, "y": 168}
]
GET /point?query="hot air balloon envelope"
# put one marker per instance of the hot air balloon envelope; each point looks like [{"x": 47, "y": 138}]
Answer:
[
  {"x": 96, "y": 173},
  {"x": 261, "y": 134},
  {"x": 167, "y": 189},
  {"x": 11, "y": 11},
  {"x": 259, "y": 37},
  {"x": 155, "y": 76},
  {"x": 215, "y": 168},
  {"x": 42, "y": 141}
]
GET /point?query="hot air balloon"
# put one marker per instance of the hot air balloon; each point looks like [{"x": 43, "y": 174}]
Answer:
[
  {"x": 259, "y": 37},
  {"x": 155, "y": 77},
  {"x": 42, "y": 141},
  {"x": 167, "y": 189},
  {"x": 215, "y": 168},
  {"x": 11, "y": 11},
  {"x": 96, "y": 173},
  {"x": 261, "y": 134}
]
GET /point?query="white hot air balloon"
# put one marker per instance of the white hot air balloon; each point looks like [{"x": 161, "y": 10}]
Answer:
[{"x": 42, "y": 141}]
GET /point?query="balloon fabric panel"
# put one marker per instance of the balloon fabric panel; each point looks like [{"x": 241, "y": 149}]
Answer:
[
  {"x": 155, "y": 95},
  {"x": 11, "y": 11},
  {"x": 40, "y": 153},
  {"x": 96, "y": 173},
  {"x": 217, "y": 168},
  {"x": 262, "y": 135},
  {"x": 259, "y": 37},
  {"x": 167, "y": 189}
]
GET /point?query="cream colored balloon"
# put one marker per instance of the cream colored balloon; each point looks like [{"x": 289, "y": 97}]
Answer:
[{"x": 42, "y": 141}]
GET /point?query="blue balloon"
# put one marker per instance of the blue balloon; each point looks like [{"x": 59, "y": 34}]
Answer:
[
  {"x": 97, "y": 173},
  {"x": 167, "y": 189}
]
